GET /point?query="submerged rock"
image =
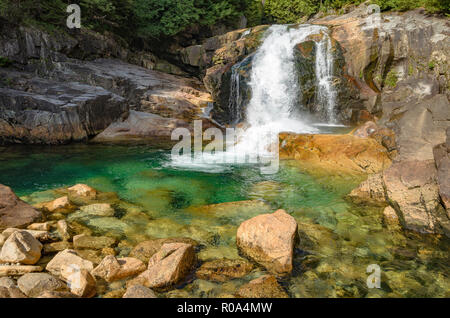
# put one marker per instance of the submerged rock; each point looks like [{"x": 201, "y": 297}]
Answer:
[
  {"x": 60, "y": 205},
  {"x": 84, "y": 241},
  {"x": 167, "y": 267},
  {"x": 222, "y": 270},
  {"x": 139, "y": 291},
  {"x": 145, "y": 250},
  {"x": 14, "y": 212},
  {"x": 18, "y": 270},
  {"x": 269, "y": 240},
  {"x": 21, "y": 247},
  {"x": 370, "y": 191},
  {"x": 262, "y": 287}
]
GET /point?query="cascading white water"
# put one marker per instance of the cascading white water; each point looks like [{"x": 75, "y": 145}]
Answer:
[
  {"x": 275, "y": 92},
  {"x": 326, "y": 93},
  {"x": 275, "y": 87}
]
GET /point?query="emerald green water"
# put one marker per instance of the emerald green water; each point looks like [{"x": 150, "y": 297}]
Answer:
[{"x": 155, "y": 200}]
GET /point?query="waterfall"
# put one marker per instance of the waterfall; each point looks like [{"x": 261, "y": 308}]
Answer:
[
  {"x": 326, "y": 93},
  {"x": 275, "y": 97},
  {"x": 234, "y": 102},
  {"x": 275, "y": 87}
]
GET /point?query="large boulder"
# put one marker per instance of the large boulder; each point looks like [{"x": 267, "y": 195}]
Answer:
[
  {"x": 269, "y": 240},
  {"x": 14, "y": 212},
  {"x": 21, "y": 247},
  {"x": 167, "y": 267},
  {"x": 412, "y": 190},
  {"x": 343, "y": 153}
]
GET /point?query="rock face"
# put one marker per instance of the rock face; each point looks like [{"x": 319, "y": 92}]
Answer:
[
  {"x": 412, "y": 190},
  {"x": 43, "y": 115},
  {"x": 223, "y": 270},
  {"x": 263, "y": 287},
  {"x": 14, "y": 212},
  {"x": 59, "y": 99},
  {"x": 269, "y": 240},
  {"x": 140, "y": 126},
  {"x": 167, "y": 267},
  {"x": 335, "y": 152},
  {"x": 21, "y": 247},
  {"x": 34, "y": 284},
  {"x": 442, "y": 159}
]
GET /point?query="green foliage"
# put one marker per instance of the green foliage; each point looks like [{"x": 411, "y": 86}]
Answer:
[
  {"x": 290, "y": 11},
  {"x": 432, "y": 6},
  {"x": 158, "y": 18},
  {"x": 391, "y": 78},
  {"x": 5, "y": 62}
]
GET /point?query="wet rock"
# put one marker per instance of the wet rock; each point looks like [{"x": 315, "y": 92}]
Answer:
[
  {"x": 94, "y": 256},
  {"x": 370, "y": 191},
  {"x": 390, "y": 218},
  {"x": 7, "y": 282},
  {"x": 67, "y": 258},
  {"x": 442, "y": 159},
  {"x": 45, "y": 227},
  {"x": 83, "y": 241},
  {"x": 139, "y": 291},
  {"x": 14, "y": 212},
  {"x": 139, "y": 126},
  {"x": 342, "y": 153},
  {"x": 262, "y": 287},
  {"x": 222, "y": 270},
  {"x": 60, "y": 205},
  {"x": 57, "y": 294},
  {"x": 42, "y": 236},
  {"x": 64, "y": 230},
  {"x": 112, "y": 269},
  {"x": 412, "y": 190},
  {"x": 92, "y": 211},
  {"x": 11, "y": 292},
  {"x": 167, "y": 267},
  {"x": 18, "y": 270},
  {"x": 269, "y": 240},
  {"x": 145, "y": 250},
  {"x": 57, "y": 247},
  {"x": 21, "y": 247},
  {"x": 34, "y": 284},
  {"x": 79, "y": 280},
  {"x": 82, "y": 190}
]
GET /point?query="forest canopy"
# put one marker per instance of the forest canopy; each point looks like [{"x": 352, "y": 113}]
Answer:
[{"x": 161, "y": 18}]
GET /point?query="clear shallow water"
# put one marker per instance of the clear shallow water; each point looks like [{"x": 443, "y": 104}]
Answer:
[{"x": 338, "y": 242}]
